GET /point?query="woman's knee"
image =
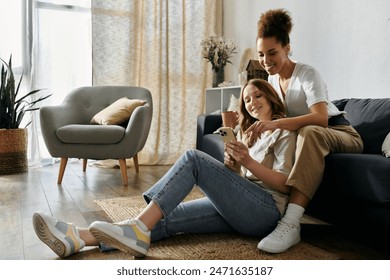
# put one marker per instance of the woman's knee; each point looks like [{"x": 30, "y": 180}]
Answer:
[
  {"x": 310, "y": 131},
  {"x": 192, "y": 154},
  {"x": 311, "y": 134}
]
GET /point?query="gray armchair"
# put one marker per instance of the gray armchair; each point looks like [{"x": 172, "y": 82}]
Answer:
[{"x": 79, "y": 139}]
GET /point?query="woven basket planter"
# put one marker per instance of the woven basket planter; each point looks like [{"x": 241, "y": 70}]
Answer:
[{"x": 13, "y": 151}]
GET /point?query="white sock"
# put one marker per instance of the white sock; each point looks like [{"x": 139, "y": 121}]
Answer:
[
  {"x": 294, "y": 213},
  {"x": 141, "y": 225}
]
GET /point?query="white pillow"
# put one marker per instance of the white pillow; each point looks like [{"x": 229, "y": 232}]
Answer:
[
  {"x": 386, "y": 146},
  {"x": 233, "y": 104}
]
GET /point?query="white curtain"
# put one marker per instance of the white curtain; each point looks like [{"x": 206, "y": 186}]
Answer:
[
  {"x": 61, "y": 58},
  {"x": 156, "y": 45}
]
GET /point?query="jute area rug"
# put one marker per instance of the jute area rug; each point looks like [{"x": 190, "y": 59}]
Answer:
[{"x": 220, "y": 246}]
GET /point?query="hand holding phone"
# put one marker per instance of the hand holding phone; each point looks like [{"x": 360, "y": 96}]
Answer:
[{"x": 226, "y": 133}]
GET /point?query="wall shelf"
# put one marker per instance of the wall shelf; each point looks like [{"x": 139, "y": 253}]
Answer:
[{"x": 218, "y": 99}]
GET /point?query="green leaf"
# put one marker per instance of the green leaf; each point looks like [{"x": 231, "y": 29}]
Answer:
[{"x": 13, "y": 109}]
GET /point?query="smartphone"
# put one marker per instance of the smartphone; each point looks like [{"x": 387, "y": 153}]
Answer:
[{"x": 226, "y": 133}]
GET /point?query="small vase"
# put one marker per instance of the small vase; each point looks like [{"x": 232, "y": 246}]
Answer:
[{"x": 218, "y": 76}]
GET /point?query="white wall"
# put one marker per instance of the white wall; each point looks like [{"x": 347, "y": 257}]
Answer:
[{"x": 348, "y": 41}]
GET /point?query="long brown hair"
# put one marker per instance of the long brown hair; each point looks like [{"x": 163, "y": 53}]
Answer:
[{"x": 278, "y": 110}]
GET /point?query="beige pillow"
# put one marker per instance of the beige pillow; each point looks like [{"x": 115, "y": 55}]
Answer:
[
  {"x": 386, "y": 146},
  {"x": 233, "y": 104},
  {"x": 118, "y": 112}
]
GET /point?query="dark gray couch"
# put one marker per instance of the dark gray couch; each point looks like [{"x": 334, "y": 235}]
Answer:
[{"x": 355, "y": 189}]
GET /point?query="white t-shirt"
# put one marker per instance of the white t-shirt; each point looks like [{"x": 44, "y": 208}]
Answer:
[
  {"x": 305, "y": 89},
  {"x": 275, "y": 150}
]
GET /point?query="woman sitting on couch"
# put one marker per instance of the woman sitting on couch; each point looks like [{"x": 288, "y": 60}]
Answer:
[{"x": 321, "y": 127}]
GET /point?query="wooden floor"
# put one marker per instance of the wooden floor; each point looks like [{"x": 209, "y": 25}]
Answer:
[{"x": 23, "y": 194}]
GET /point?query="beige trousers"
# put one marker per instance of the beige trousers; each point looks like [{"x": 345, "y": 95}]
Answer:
[{"x": 314, "y": 143}]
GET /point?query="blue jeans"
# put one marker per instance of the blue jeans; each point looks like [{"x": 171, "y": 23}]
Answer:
[{"x": 232, "y": 203}]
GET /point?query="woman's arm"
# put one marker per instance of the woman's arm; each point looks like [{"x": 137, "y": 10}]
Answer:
[{"x": 318, "y": 116}]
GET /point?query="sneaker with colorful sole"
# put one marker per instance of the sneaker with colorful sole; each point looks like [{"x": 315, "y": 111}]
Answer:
[
  {"x": 63, "y": 238},
  {"x": 126, "y": 236}
]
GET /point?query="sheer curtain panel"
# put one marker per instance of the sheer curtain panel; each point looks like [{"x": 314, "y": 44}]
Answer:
[
  {"x": 156, "y": 45},
  {"x": 61, "y": 60}
]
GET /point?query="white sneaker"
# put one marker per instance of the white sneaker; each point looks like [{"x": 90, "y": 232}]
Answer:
[
  {"x": 63, "y": 238},
  {"x": 282, "y": 238},
  {"x": 126, "y": 236}
]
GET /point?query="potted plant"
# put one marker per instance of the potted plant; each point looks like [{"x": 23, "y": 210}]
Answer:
[{"x": 13, "y": 139}]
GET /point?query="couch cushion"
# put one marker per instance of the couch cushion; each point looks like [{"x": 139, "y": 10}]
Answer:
[
  {"x": 371, "y": 119},
  {"x": 90, "y": 134},
  {"x": 364, "y": 177},
  {"x": 340, "y": 103}
]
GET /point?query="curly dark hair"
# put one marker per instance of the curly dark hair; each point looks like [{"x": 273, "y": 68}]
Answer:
[
  {"x": 275, "y": 23},
  {"x": 278, "y": 109}
]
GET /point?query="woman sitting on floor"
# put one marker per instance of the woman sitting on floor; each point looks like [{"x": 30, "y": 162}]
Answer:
[{"x": 249, "y": 202}]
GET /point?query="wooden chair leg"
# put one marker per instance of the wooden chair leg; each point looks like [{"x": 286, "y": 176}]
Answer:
[
  {"x": 85, "y": 164},
  {"x": 123, "y": 167},
  {"x": 135, "y": 159},
  {"x": 61, "y": 172}
]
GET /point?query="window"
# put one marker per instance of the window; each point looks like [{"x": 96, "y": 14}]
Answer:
[
  {"x": 56, "y": 34},
  {"x": 12, "y": 31},
  {"x": 51, "y": 43},
  {"x": 63, "y": 47},
  {"x": 62, "y": 52}
]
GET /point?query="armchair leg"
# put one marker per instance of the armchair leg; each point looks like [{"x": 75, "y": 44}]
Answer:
[
  {"x": 63, "y": 163},
  {"x": 135, "y": 159},
  {"x": 85, "y": 164},
  {"x": 123, "y": 167}
]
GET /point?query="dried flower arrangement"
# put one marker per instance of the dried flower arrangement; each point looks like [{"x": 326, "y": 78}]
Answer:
[{"x": 218, "y": 51}]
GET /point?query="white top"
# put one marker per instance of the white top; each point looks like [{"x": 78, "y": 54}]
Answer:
[
  {"x": 305, "y": 89},
  {"x": 275, "y": 150}
]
